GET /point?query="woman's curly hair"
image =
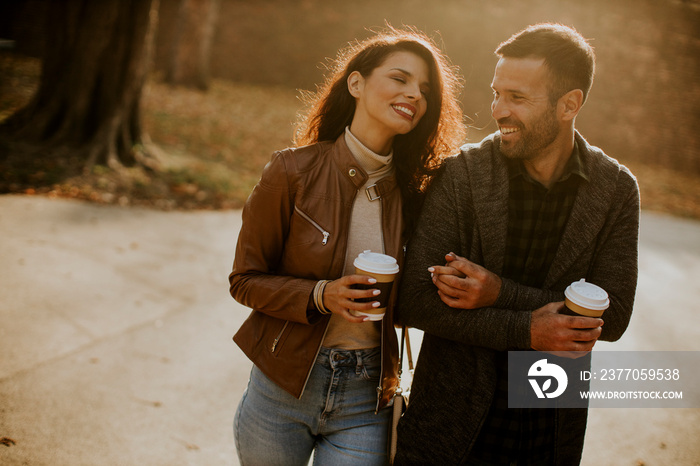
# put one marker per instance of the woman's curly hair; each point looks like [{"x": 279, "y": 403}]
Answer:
[{"x": 417, "y": 154}]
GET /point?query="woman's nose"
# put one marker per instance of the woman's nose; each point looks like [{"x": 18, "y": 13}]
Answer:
[{"x": 413, "y": 92}]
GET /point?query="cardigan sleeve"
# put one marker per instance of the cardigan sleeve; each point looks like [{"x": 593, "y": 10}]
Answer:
[
  {"x": 447, "y": 224},
  {"x": 612, "y": 264},
  {"x": 615, "y": 265}
]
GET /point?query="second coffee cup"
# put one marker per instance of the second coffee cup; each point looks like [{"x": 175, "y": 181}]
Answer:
[
  {"x": 585, "y": 299},
  {"x": 383, "y": 268}
]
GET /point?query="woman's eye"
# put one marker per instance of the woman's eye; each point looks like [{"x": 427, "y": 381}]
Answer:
[{"x": 399, "y": 79}]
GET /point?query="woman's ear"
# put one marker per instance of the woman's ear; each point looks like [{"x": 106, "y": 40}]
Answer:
[{"x": 355, "y": 83}]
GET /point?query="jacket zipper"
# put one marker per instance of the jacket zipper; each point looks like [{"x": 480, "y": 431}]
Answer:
[
  {"x": 380, "y": 390},
  {"x": 318, "y": 350},
  {"x": 279, "y": 335},
  {"x": 316, "y": 225}
]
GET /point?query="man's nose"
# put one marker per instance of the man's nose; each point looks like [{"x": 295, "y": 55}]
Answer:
[{"x": 499, "y": 109}]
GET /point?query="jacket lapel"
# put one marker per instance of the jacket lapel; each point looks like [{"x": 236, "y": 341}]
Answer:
[
  {"x": 489, "y": 181},
  {"x": 588, "y": 214}
]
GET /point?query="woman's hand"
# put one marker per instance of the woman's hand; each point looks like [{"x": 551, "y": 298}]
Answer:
[
  {"x": 339, "y": 297},
  {"x": 462, "y": 284}
]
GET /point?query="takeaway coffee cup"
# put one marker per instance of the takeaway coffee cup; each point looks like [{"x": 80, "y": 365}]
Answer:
[
  {"x": 384, "y": 269},
  {"x": 585, "y": 299}
]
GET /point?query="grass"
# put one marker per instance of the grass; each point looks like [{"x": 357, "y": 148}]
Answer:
[
  {"x": 213, "y": 145},
  {"x": 217, "y": 142}
]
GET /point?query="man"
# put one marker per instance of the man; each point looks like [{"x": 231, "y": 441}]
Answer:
[{"x": 515, "y": 219}]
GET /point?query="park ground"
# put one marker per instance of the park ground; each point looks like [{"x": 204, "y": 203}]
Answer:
[{"x": 116, "y": 338}]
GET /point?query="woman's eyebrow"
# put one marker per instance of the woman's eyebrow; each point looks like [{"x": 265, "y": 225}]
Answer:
[{"x": 409, "y": 74}]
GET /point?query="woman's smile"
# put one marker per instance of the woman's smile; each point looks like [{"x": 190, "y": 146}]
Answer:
[
  {"x": 390, "y": 101},
  {"x": 405, "y": 110}
]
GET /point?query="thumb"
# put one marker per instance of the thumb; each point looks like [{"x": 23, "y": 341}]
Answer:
[
  {"x": 454, "y": 257},
  {"x": 459, "y": 263}
]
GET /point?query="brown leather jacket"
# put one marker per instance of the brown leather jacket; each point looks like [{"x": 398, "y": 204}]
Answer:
[{"x": 294, "y": 233}]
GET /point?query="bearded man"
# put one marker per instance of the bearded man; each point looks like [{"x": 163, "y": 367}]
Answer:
[{"x": 513, "y": 221}]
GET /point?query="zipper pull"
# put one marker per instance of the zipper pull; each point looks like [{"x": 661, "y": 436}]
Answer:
[
  {"x": 325, "y": 238},
  {"x": 274, "y": 344}
]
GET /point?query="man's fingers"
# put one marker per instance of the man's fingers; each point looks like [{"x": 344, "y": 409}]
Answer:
[
  {"x": 585, "y": 322},
  {"x": 583, "y": 336},
  {"x": 452, "y": 256},
  {"x": 552, "y": 331},
  {"x": 449, "y": 300},
  {"x": 439, "y": 270},
  {"x": 454, "y": 281},
  {"x": 460, "y": 263},
  {"x": 450, "y": 285}
]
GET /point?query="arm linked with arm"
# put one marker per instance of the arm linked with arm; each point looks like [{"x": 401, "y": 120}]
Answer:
[{"x": 447, "y": 224}]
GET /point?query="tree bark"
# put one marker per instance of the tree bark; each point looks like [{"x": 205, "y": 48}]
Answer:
[
  {"x": 189, "y": 57},
  {"x": 93, "y": 70}
]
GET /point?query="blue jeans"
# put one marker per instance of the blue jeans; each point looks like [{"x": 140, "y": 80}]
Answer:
[{"x": 334, "y": 418}]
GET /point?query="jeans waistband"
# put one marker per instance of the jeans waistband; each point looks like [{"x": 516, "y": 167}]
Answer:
[{"x": 332, "y": 357}]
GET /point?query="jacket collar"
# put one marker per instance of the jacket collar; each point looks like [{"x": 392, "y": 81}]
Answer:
[
  {"x": 351, "y": 170},
  {"x": 589, "y": 212},
  {"x": 490, "y": 186}
]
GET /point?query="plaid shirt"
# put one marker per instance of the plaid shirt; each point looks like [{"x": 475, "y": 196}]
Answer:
[{"x": 537, "y": 217}]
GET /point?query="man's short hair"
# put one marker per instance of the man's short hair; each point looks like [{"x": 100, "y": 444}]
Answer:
[{"x": 567, "y": 54}]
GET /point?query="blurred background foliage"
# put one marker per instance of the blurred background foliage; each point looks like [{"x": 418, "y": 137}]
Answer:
[
  {"x": 643, "y": 108},
  {"x": 644, "y": 103}
]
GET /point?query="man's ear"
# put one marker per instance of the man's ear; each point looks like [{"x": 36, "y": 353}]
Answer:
[
  {"x": 570, "y": 104},
  {"x": 355, "y": 83}
]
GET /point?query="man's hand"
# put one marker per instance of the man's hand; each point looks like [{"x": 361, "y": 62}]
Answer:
[
  {"x": 463, "y": 284},
  {"x": 551, "y": 331}
]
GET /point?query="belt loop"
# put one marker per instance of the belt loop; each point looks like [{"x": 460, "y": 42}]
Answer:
[{"x": 359, "y": 365}]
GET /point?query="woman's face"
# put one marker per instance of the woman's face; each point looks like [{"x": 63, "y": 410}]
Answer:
[{"x": 390, "y": 101}]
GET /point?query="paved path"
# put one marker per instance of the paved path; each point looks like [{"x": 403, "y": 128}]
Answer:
[{"x": 116, "y": 324}]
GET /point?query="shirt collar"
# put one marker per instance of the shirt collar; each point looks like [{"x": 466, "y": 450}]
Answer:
[{"x": 573, "y": 167}]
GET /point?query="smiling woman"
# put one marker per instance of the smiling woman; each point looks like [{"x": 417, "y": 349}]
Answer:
[
  {"x": 372, "y": 138},
  {"x": 390, "y": 101}
]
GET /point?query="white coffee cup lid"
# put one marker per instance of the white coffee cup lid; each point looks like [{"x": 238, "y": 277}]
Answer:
[
  {"x": 587, "y": 295},
  {"x": 375, "y": 262}
]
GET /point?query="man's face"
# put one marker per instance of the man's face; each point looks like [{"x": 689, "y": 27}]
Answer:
[{"x": 526, "y": 119}]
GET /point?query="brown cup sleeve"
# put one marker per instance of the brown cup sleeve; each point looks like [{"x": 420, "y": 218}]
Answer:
[{"x": 383, "y": 298}]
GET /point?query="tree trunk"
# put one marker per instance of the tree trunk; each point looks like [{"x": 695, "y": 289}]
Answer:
[
  {"x": 93, "y": 70},
  {"x": 188, "y": 62}
]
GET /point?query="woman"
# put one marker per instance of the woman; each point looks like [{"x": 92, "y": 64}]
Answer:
[{"x": 373, "y": 137}]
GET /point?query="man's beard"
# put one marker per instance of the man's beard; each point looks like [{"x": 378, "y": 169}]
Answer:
[{"x": 544, "y": 131}]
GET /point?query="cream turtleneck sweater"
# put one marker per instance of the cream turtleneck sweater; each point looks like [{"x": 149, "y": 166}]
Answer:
[{"x": 365, "y": 233}]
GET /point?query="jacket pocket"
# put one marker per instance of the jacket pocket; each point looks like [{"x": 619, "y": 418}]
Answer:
[
  {"x": 323, "y": 233},
  {"x": 280, "y": 338}
]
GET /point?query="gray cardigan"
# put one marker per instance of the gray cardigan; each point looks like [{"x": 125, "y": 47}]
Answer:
[{"x": 466, "y": 212}]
